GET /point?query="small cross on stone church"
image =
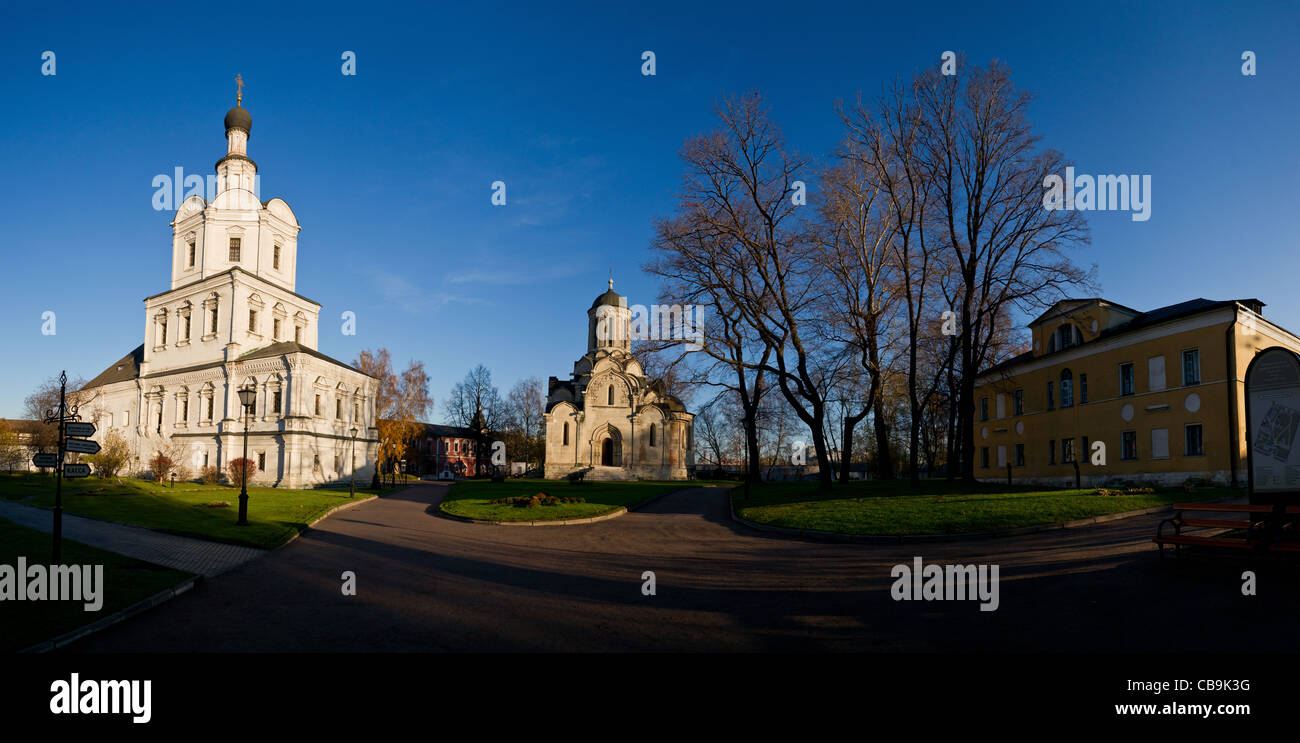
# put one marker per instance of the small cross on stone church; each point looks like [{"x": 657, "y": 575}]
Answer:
[{"x": 609, "y": 418}]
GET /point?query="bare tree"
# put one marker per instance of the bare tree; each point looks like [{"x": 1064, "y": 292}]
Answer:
[
  {"x": 980, "y": 155},
  {"x": 474, "y": 393},
  {"x": 738, "y": 234},
  {"x": 44, "y": 399},
  {"x": 887, "y": 143},
  {"x": 525, "y": 408},
  {"x": 855, "y": 237}
]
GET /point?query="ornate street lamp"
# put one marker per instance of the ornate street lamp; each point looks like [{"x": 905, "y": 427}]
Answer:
[
  {"x": 352, "y": 459},
  {"x": 247, "y": 395}
]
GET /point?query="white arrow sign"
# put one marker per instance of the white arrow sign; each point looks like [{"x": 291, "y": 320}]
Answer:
[
  {"x": 80, "y": 429},
  {"x": 82, "y": 446},
  {"x": 73, "y": 469}
]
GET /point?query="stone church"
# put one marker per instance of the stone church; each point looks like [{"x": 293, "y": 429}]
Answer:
[
  {"x": 233, "y": 319},
  {"x": 608, "y": 418}
]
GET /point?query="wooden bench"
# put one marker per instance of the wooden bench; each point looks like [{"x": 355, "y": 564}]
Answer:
[{"x": 1265, "y": 526}]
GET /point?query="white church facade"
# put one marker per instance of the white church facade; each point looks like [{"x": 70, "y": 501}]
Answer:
[
  {"x": 609, "y": 419},
  {"x": 233, "y": 319}
]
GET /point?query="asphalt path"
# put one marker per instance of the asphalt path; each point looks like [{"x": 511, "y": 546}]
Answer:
[{"x": 428, "y": 583}]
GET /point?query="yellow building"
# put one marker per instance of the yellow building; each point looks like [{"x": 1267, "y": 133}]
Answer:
[{"x": 1131, "y": 397}]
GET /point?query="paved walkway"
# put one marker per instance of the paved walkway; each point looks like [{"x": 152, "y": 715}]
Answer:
[
  {"x": 426, "y": 583},
  {"x": 182, "y": 553}
]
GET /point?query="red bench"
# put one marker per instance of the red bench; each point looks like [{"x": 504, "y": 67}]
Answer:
[{"x": 1266, "y": 528}]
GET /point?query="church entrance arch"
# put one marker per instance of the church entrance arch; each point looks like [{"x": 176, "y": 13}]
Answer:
[{"x": 608, "y": 447}]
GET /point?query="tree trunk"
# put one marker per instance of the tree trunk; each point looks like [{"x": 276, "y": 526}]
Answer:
[
  {"x": 884, "y": 460},
  {"x": 846, "y": 450}
]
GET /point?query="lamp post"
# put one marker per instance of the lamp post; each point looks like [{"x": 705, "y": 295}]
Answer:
[
  {"x": 246, "y": 397},
  {"x": 352, "y": 461}
]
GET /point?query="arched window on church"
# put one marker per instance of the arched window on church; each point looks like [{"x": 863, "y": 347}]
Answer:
[
  {"x": 566, "y": 433},
  {"x": 652, "y": 434},
  {"x": 1067, "y": 388},
  {"x": 611, "y": 394}
]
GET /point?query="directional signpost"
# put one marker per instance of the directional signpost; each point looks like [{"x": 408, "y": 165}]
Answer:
[
  {"x": 66, "y": 416},
  {"x": 83, "y": 446}
]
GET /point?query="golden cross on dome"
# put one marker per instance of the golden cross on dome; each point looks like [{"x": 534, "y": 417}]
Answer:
[{"x": 239, "y": 95}]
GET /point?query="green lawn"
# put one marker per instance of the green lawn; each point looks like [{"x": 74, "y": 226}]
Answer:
[
  {"x": 891, "y": 508},
  {"x": 274, "y": 514},
  {"x": 472, "y": 498},
  {"x": 126, "y": 581}
]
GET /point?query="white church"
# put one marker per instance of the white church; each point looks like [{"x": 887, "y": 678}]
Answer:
[
  {"x": 608, "y": 419},
  {"x": 233, "y": 319}
]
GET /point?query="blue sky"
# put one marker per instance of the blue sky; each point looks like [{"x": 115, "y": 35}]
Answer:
[{"x": 389, "y": 171}]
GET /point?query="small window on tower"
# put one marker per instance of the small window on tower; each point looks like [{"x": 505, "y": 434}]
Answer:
[
  {"x": 191, "y": 263},
  {"x": 297, "y": 334},
  {"x": 252, "y": 321},
  {"x": 275, "y": 258},
  {"x": 234, "y": 249},
  {"x": 275, "y": 329}
]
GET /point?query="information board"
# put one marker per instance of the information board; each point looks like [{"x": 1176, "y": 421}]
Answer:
[{"x": 1273, "y": 421}]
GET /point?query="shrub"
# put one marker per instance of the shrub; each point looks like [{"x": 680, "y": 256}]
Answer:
[
  {"x": 183, "y": 473},
  {"x": 112, "y": 457},
  {"x": 160, "y": 466},
  {"x": 241, "y": 470},
  {"x": 218, "y": 504},
  {"x": 210, "y": 475},
  {"x": 539, "y": 499}
]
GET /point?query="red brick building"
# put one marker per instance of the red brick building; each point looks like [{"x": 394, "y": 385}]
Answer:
[{"x": 455, "y": 451}]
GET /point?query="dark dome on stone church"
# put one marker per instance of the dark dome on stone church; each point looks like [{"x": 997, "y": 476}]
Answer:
[
  {"x": 238, "y": 118},
  {"x": 610, "y": 298}
]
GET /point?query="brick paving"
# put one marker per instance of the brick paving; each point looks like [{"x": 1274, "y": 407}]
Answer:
[{"x": 182, "y": 553}]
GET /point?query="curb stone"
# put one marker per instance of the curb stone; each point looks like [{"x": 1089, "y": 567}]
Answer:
[
  {"x": 321, "y": 518},
  {"x": 552, "y": 522},
  {"x": 830, "y": 536},
  {"x": 565, "y": 522},
  {"x": 121, "y": 615}
]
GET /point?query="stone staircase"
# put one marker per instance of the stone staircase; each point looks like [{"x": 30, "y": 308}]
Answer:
[{"x": 610, "y": 473}]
